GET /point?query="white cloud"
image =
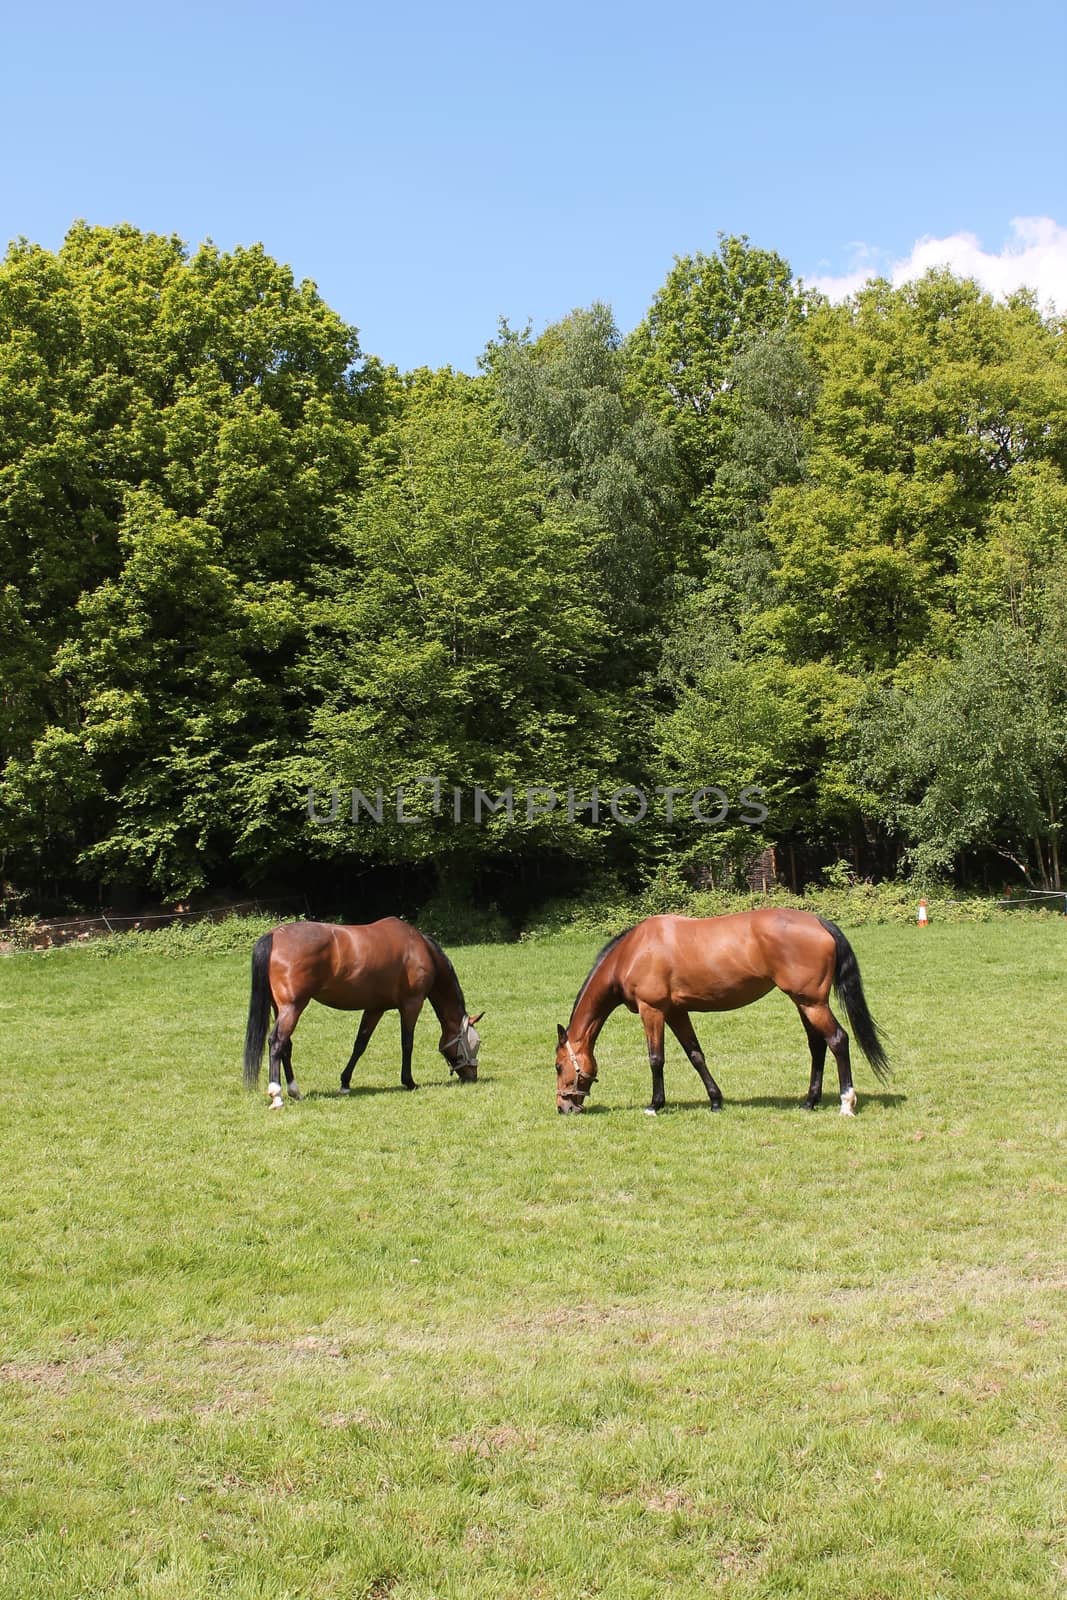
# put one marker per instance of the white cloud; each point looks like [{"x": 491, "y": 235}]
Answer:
[{"x": 1033, "y": 257}]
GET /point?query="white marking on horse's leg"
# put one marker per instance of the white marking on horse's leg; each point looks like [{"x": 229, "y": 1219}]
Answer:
[
  {"x": 294, "y": 1091},
  {"x": 649, "y": 1112},
  {"x": 275, "y": 1092},
  {"x": 848, "y": 1103}
]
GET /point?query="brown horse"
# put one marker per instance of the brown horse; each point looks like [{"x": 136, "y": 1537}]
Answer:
[
  {"x": 374, "y": 967},
  {"x": 666, "y": 967}
]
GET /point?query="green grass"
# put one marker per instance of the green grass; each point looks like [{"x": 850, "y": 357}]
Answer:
[{"x": 450, "y": 1344}]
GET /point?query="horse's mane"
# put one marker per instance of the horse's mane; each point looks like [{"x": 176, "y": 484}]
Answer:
[
  {"x": 589, "y": 976},
  {"x": 436, "y": 948}
]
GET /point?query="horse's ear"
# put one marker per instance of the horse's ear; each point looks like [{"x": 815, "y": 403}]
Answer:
[
  {"x": 561, "y": 1032},
  {"x": 478, "y": 1018}
]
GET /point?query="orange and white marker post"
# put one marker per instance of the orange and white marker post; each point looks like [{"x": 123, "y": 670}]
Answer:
[{"x": 922, "y": 919}]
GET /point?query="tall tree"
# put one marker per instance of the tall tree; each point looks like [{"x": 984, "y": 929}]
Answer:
[
  {"x": 607, "y": 463},
  {"x": 741, "y": 717},
  {"x": 974, "y": 756},
  {"x": 931, "y": 398},
  {"x": 773, "y": 388},
  {"x": 709, "y": 312},
  {"x": 175, "y": 433},
  {"x": 460, "y": 642}
]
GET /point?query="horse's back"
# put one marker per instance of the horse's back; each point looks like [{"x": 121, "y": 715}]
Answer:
[
  {"x": 798, "y": 947},
  {"x": 721, "y": 963},
  {"x": 351, "y": 966}
]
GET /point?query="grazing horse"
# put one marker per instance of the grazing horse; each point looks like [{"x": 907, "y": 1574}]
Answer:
[
  {"x": 666, "y": 967},
  {"x": 374, "y": 967}
]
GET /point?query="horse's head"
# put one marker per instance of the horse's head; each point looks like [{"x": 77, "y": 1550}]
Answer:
[
  {"x": 461, "y": 1051},
  {"x": 575, "y": 1072}
]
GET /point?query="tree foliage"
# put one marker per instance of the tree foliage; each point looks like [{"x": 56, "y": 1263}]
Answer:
[
  {"x": 976, "y": 756},
  {"x": 177, "y": 430},
  {"x": 608, "y": 464},
  {"x": 762, "y": 540},
  {"x": 460, "y": 640},
  {"x": 682, "y": 364},
  {"x": 931, "y": 398}
]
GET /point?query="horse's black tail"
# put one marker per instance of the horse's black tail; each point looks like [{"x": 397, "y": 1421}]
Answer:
[
  {"x": 849, "y": 988},
  {"x": 258, "y": 1009}
]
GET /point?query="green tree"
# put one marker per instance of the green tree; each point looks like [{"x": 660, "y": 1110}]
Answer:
[
  {"x": 681, "y": 364},
  {"x": 459, "y": 641},
  {"x": 773, "y": 388},
  {"x": 975, "y": 757},
  {"x": 176, "y": 432},
  {"x": 608, "y": 466},
  {"x": 1009, "y": 576},
  {"x": 931, "y": 399},
  {"x": 173, "y": 671},
  {"x": 741, "y": 718}
]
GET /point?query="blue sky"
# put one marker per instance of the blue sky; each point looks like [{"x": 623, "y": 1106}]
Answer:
[{"x": 435, "y": 167}]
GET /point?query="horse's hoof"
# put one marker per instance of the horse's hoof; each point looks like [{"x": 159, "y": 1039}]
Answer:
[
  {"x": 277, "y": 1104},
  {"x": 344, "y": 1089},
  {"x": 409, "y": 1085},
  {"x": 650, "y": 1111},
  {"x": 716, "y": 1105},
  {"x": 848, "y": 1103},
  {"x": 294, "y": 1092}
]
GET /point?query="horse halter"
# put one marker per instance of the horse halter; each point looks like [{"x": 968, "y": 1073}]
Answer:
[
  {"x": 465, "y": 1057},
  {"x": 578, "y": 1090}
]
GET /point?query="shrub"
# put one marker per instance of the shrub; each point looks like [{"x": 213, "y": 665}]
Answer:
[{"x": 184, "y": 939}]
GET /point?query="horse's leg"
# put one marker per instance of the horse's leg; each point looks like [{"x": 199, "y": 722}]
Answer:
[
  {"x": 682, "y": 1028},
  {"x": 826, "y": 1025},
  {"x": 409, "y": 1015},
  {"x": 368, "y": 1022},
  {"x": 817, "y": 1045},
  {"x": 281, "y": 1050},
  {"x": 653, "y": 1025},
  {"x": 287, "y": 1065}
]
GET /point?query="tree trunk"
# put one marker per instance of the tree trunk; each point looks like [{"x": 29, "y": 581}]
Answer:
[
  {"x": 1054, "y": 842},
  {"x": 1022, "y": 866}
]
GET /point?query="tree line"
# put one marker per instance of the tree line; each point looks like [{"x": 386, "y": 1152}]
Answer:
[{"x": 761, "y": 540}]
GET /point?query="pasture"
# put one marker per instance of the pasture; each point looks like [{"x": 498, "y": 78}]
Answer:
[{"x": 450, "y": 1344}]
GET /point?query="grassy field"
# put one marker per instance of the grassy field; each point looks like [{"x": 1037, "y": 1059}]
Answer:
[{"x": 450, "y": 1344}]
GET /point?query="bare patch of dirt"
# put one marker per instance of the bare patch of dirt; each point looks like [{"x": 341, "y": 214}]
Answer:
[
  {"x": 359, "y": 1418},
  {"x": 715, "y": 1322},
  {"x": 491, "y": 1442},
  {"x": 60, "y": 1376},
  {"x": 231, "y": 1403},
  {"x": 668, "y": 1501},
  {"x": 53, "y": 1375}
]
